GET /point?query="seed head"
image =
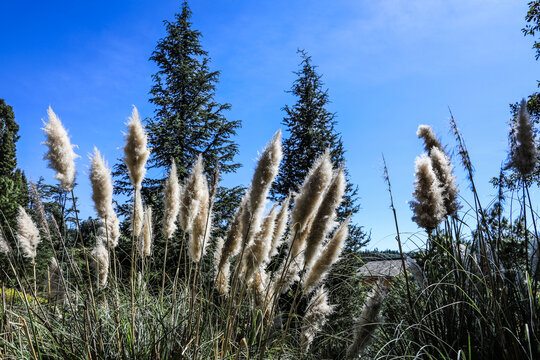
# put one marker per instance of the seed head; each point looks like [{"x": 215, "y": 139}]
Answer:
[
  {"x": 324, "y": 220},
  {"x": 523, "y": 154},
  {"x": 316, "y": 315},
  {"x": 327, "y": 257},
  {"x": 101, "y": 263},
  {"x": 27, "y": 234},
  {"x": 443, "y": 170},
  {"x": 171, "y": 202},
  {"x": 61, "y": 157},
  {"x": 136, "y": 152},
  {"x": 307, "y": 201},
  {"x": 428, "y": 204},
  {"x": 430, "y": 140}
]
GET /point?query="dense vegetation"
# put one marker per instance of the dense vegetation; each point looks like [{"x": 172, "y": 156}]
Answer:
[{"x": 198, "y": 271}]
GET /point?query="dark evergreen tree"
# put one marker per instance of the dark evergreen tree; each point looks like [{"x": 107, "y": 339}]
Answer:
[
  {"x": 13, "y": 185},
  {"x": 311, "y": 129},
  {"x": 188, "y": 121}
]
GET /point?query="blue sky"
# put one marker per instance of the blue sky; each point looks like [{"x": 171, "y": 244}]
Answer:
[{"x": 389, "y": 65}]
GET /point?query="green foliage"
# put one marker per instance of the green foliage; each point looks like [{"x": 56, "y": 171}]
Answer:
[
  {"x": 533, "y": 24},
  {"x": 13, "y": 186},
  {"x": 311, "y": 129},
  {"x": 8, "y": 137},
  {"x": 188, "y": 121}
]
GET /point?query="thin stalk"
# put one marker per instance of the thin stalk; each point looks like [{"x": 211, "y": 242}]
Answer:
[{"x": 398, "y": 238}]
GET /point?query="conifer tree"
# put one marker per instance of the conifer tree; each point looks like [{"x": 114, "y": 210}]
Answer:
[
  {"x": 187, "y": 121},
  {"x": 311, "y": 129},
  {"x": 13, "y": 185}
]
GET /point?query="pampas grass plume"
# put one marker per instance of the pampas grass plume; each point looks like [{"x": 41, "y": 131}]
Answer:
[
  {"x": 232, "y": 242},
  {"x": 137, "y": 213},
  {"x": 265, "y": 172},
  {"x": 192, "y": 192},
  {"x": 101, "y": 262},
  {"x": 327, "y": 257},
  {"x": 61, "y": 157},
  {"x": 325, "y": 217},
  {"x": 102, "y": 188},
  {"x": 200, "y": 231},
  {"x": 443, "y": 170},
  {"x": 523, "y": 153},
  {"x": 307, "y": 201},
  {"x": 146, "y": 236},
  {"x": 102, "y": 195},
  {"x": 171, "y": 202},
  {"x": 316, "y": 315},
  {"x": 222, "y": 269},
  {"x": 27, "y": 234},
  {"x": 281, "y": 225},
  {"x": 39, "y": 209},
  {"x": 136, "y": 152},
  {"x": 257, "y": 253},
  {"x": 428, "y": 204},
  {"x": 430, "y": 140},
  {"x": 366, "y": 325}
]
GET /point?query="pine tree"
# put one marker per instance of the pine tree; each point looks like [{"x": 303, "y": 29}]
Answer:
[
  {"x": 311, "y": 129},
  {"x": 13, "y": 185},
  {"x": 188, "y": 121}
]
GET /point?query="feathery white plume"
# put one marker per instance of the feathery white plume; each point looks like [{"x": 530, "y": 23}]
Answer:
[
  {"x": 327, "y": 257},
  {"x": 307, "y": 202},
  {"x": 222, "y": 269},
  {"x": 428, "y": 204},
  {"x": 324, "y": 220},
  {"x": 430, "y": 140},
  {"x": 145, "y": 248},
  {"x": 523, "y": 154},
  {"x": 257, "y": 253},
  {"x": 61, "y": 157},
  {"x": 367, "y": 323},
  {"x": 316, "y": 315},
  {"x": 101, "y": 263},
  {"x": 136, "y": 151},
  {"x": 171, "y": 202},
  {"x": 265, "y": 172},
  {"x": 27, "y": 234},
  {"x": 102, "y": 195},
  {"x": 192, "y": 192},
  {"x": 281, "y": 226},
  {"x": 443, "y": 170},
  {"x": 200, "y": 231}
]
